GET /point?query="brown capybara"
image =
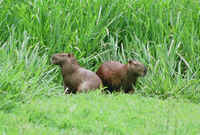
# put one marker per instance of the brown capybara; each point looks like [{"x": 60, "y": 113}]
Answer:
[
  {"x": 75, "y": 78},
  {"x": 116, "y": 75}
]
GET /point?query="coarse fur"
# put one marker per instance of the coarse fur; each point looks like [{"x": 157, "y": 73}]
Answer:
[
  {"x": 75, "y": 78},
  {"x": 116, "y": 75}
]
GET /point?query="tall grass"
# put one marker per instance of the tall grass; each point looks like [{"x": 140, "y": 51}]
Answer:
[
  {"x": 164, "y": 35},
  {"x": 23, "y": 73}
]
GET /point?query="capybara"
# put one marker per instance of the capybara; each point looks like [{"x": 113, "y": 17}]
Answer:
[
  {"x": 116, "y": 75},
  {"x": 75, "y": 78}
]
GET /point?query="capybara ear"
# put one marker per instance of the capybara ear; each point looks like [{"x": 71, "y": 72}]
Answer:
[
  {"x": 130, "y": 61},
  {"x": 135, "y": 62},
  {"x": 70, "y": 55}
]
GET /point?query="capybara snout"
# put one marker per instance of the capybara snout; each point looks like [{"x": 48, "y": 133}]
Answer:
[
  {"x": 54, "y": 60},
  {"x": 145, "y": 71}
]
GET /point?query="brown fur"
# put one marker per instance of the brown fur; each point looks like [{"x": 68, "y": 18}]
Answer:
[
  {"x": 115, "y": 75},
  {"x": 75, "y": 78}
]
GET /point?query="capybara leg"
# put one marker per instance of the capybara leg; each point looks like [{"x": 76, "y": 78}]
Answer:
[
  {"x": 129, "y": 91},
  {"x": 67, "y": 90}
]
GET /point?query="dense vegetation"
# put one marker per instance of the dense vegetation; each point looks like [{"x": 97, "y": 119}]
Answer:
[{"x": 162, "y": 34}]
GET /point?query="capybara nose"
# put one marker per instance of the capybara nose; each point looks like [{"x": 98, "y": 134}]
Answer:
[
  {"x": 145, "y": 71},
  {"x": 53, "y": 59}
]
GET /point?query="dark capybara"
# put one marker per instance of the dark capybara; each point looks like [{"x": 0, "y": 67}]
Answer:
[
  {"x": 75, "y": 78},
  {"x": 116, "y": 75}
]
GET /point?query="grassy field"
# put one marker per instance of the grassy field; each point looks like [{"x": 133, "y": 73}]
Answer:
[
  {"x": 162, "y": 34},
  {"x": 97, "y": 114}
]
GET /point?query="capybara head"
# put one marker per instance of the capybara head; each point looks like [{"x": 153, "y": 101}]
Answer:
[
  {"x": 136, "y": 68},
  {"x": 63, "y": 58}
]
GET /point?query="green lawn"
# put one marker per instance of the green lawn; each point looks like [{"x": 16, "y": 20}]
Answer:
[
  {"x": 164, "y": 35},
  {"x": 98, "y": 114}
]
